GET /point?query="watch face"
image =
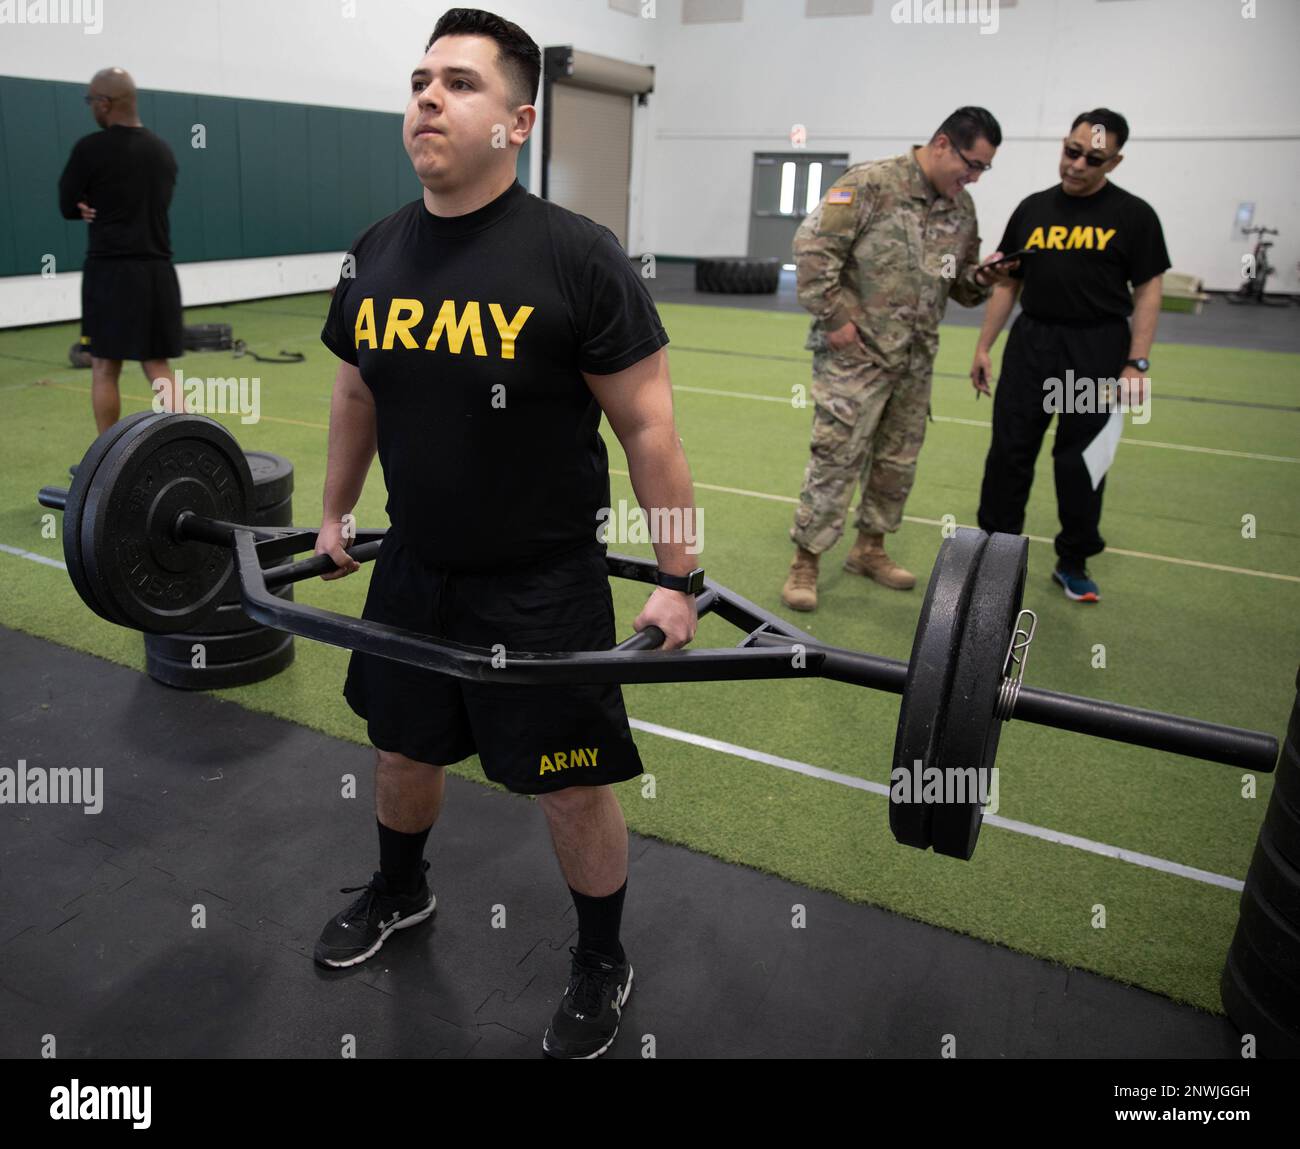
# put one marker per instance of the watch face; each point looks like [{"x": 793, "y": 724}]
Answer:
[{"x": 1141, "y": 364}]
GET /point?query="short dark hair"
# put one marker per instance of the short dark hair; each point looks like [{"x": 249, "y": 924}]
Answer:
[
  {"x": 1115, "y": 124},
  {"x": 517, "y": 53},
  {"x": 966, "y": 125}
]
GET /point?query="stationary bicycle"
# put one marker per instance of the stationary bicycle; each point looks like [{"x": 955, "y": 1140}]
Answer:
[{"x": 1252, "y": 291}]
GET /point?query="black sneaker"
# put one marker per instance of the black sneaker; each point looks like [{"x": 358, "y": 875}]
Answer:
[
  {"x": 359, "y": 931},
  {"x": 586, "y": 1023}
]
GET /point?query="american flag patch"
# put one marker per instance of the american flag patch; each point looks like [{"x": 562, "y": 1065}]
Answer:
[{"x": 839, "y": 195}]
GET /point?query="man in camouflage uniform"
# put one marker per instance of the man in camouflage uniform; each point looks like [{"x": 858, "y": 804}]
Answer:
[{"x": 876, "y": 261}]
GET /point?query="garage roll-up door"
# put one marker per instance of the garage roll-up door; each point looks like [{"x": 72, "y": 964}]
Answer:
[{"x": 587, "y": 133}]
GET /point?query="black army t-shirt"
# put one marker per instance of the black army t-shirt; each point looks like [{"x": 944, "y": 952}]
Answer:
[
  {"x": 1087, "y": 251},
  {"x": 472, "y": 332}
]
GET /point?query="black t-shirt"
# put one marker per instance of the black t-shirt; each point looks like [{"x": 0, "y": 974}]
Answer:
[
  {"x": 1087, "y": 250},
  {"x": 127, "y": 175},
  {"x": 472, "y": 332}
]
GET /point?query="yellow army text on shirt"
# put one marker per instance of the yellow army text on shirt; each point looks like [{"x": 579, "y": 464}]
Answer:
[{"x": 884, "y": 249}]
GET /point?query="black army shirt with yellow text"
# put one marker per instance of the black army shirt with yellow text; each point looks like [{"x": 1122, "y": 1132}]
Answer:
[
  {"x": 472, "y": 333},
  {"x": 1087, "y": 251}
]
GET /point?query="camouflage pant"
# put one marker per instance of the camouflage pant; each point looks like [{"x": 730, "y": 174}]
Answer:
[{"x": 868, "y": 427}]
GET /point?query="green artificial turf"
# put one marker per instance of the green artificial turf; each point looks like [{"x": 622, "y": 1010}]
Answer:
[{"x": 1218, "y": 644}]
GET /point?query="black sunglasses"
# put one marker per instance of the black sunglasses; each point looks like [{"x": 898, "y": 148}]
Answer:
[{"x": 1073, "y": 151}]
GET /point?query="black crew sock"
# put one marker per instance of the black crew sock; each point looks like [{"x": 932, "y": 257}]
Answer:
[
  {"x": 598, "y": 922},
  {"x": 400, "y": 858}
]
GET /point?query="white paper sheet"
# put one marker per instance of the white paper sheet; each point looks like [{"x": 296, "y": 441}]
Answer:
[{"x": 1100, "y": 453}]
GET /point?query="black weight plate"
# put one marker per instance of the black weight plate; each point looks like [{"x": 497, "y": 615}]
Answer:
[
  {"x": 1282, "y": 825},
  {"x": 157, "y": 469},
  {"x": 174, "y": 672},
  {"x": 929, "y": 680},
  {"x": 1275, "y": 992},
  {"x": 276, "y": 515},
  {"x": 1286, "y": 778},
  {"x": 75, "y": 502},
  {"x": 1276, "y": 996},
  {"x": 230, "y": 616},
  {"x": 272, "y": 478},
  {"x": 968, "y": 745},
  {"x": 98, "y": 495},
  {"x": 1275, "y": 880},
  {"x": 218, "y": 649},
  {"x": 1273, "y": 1039},
  {"x": 1275, "y": 939}
]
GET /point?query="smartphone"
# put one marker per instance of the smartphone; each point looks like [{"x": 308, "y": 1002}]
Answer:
[{"x": 1008, "y": 258}]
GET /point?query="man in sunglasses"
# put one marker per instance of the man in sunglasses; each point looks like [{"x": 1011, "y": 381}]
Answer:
[
  {"x": 875, "y": 262},
  {"x": 120, "y": 181},
  {"x": 1095, "y": 256}
]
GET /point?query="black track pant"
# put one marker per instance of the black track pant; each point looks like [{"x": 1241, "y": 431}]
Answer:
[{"x": 1037, "y": 352}]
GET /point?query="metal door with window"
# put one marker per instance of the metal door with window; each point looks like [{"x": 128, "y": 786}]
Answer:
[{"x": 787, "y": 186}]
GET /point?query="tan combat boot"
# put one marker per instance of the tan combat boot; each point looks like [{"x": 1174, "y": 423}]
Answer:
[
  {"x": 868, "y": 558},
  {"x": 800, "y": 590}
]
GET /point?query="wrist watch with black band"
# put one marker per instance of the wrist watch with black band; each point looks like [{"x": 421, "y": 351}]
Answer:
[
  {"x": 691, "y": 583},
  {"x": 1143, "y": 365}
]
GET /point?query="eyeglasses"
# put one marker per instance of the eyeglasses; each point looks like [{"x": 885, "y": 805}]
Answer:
[
  {"x": 92, "y": 99},
  {"x": 1073, "y": 152},
  {"x": 974, "y": 165}
]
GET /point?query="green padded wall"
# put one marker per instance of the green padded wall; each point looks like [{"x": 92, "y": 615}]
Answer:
[{"x": 274, "y": 179}]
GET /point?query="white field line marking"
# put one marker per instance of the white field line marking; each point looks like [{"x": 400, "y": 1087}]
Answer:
[
  {"x": 22, "y": 554},
  {"x": 986, "y": 425},
  {"x": 1032, "y": 538},
  {"x": 1133, "y": 857}
]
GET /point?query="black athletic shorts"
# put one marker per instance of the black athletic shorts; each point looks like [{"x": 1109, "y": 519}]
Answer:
[
  {"x": 131, "y": 308},
  {"x": 531, "y": 739}
]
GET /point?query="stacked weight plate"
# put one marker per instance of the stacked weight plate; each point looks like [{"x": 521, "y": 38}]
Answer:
[
  {"x": 1261, "y": 981},
  {"x": 233, "y": 650}
]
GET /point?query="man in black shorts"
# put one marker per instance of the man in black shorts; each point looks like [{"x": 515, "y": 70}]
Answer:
[
  {"x": 120, "y": 181},
  {"x": 481, "y": 338},
  {"x": 1087, "y": 241}
]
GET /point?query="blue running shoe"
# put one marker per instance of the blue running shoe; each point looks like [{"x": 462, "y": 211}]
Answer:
[{"x": 1078, "y": 586}]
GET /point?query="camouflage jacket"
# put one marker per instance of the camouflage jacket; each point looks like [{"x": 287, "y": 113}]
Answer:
[{"x": 884, "y": 249}]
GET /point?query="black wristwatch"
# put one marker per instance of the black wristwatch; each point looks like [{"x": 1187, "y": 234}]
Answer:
[
  {"x": 691, "y": 583},
  {"x": 1143, "y": 365}
]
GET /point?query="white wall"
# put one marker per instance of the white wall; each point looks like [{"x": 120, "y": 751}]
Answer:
[{"x": 1213, "y": 100}]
